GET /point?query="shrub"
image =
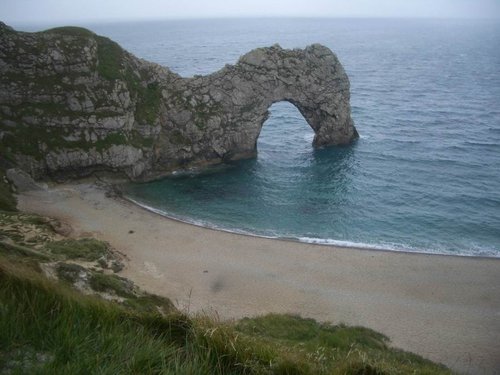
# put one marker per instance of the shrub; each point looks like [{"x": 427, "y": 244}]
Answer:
[{"x": 88, "y": 249}]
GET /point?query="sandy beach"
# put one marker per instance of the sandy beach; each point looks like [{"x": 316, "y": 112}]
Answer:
[{"x": 445, "y": 308}]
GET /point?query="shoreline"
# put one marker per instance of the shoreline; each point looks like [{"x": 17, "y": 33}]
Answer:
[
  {"x": 354, "y": 246},
  {"x": 445, "y": 308}
]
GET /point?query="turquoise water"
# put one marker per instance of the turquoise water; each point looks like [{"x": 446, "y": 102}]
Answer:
[{"x": 425, "y": 174}]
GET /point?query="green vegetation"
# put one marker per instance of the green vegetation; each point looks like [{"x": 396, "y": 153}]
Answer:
[
  {"x": 351, "y": 350},
  {"x": 36, "y": 236},
  {"x": 177, "y": 138},
  {"x": 310, "y": 334},
  {"x": 26, "y": 229},
  {"x": 56, "y": 139},
  {"x": 17, "y": 250},
  {"x": 148, "y": 103},
  {"x": 116, "y": 287},
  {"x": 70, "y": 31},
  {"x": 110, "y": 56},
  {"x": 110, "y": 140},
  {"x": 112, "y": 66},
  {"x": 69, "y": 272},
  {"x": 149, "y": 303},
  {"x": 111, "y": 283},
  {"x": 7, "y": 200},
  {"x": 31, "y": 240},
  {"x": 137, "y": 140},
  {"x": 88, "y": 249},
  {"x": 148, "y": 95},
  {"x": 47, "y": 327}
]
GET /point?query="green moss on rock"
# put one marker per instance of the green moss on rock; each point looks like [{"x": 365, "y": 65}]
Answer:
[
  {"x": 148, "y": 103},
  {"x": 110, "y": 58},
  {"x": 111, "y": 66},
  {"x": 177, "y": 138}
]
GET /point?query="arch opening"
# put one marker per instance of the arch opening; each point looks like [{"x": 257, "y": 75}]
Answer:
[{"x": 284, "y": 131}]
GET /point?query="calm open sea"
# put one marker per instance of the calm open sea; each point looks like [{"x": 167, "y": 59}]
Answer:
[{"x": 425, "y": 174}]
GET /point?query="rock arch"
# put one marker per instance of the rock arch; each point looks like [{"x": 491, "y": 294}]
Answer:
[
  {"x": 224, "y": 112},
  {"x": 88, "y": 105}
]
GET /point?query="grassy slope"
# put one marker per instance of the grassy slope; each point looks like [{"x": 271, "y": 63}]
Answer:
[{"x": 47, "y": 327}]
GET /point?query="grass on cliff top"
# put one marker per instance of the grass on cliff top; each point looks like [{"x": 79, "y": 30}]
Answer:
[
  {"x": 70, "y": 30},
  {"x": 48, "y": 328}
]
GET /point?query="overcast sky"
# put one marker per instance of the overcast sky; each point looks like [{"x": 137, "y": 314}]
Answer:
[{"x": 66, "y": 11}]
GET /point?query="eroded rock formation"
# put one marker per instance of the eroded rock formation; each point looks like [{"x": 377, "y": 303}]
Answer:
[{"x": 73, "y": 102}]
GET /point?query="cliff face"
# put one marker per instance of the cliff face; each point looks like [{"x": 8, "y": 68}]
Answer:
[{"x": 72, "y": 102}]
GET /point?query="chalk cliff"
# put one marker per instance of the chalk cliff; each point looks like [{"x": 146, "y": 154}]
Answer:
[{"x": 73, "y": 102}]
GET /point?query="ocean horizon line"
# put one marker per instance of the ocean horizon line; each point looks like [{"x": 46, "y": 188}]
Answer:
[{"x": 110, "y": 21}]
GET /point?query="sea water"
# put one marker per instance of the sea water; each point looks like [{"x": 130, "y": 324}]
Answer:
[{"x": 425, "y": 173}]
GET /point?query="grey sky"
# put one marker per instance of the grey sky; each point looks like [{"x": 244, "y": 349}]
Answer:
[{"x": 65, "y": 11}]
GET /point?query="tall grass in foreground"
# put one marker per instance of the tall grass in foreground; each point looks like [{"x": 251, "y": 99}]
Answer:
[{"x": 48, "y": 328}]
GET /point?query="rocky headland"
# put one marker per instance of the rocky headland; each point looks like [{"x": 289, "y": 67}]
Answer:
[{"x": 73, "y": 102}]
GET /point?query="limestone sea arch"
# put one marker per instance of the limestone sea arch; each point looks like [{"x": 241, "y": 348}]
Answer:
[
  {"x": 73, "y": 102},
  {"x": 312, "y": 79}
]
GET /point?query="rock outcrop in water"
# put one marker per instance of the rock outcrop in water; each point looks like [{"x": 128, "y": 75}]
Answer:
[{"x": 73, "y": 102}]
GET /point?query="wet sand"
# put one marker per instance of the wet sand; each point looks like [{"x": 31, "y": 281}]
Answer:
[{"x": 445, "y": 308}]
